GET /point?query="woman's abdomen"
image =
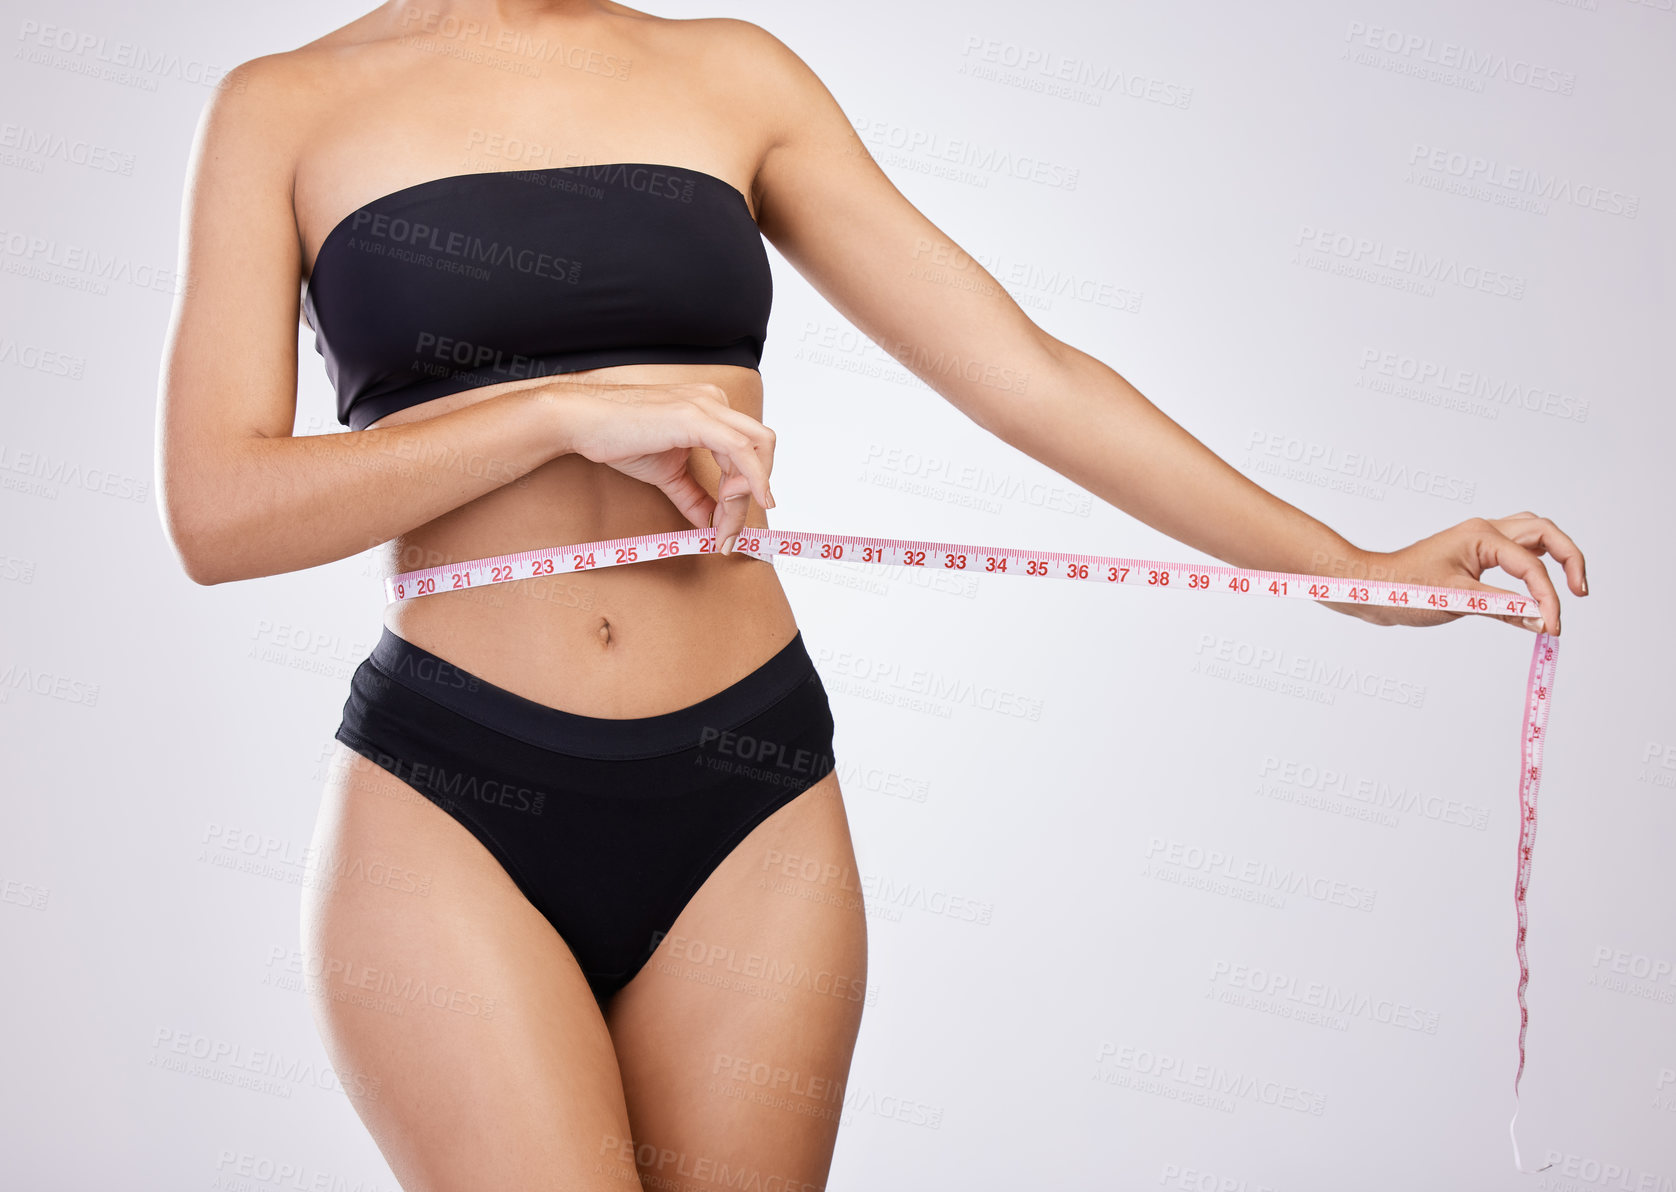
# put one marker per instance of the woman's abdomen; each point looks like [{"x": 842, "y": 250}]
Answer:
[{"x": 619, "y": 642}]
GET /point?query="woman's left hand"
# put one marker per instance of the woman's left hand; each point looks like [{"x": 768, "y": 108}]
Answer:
[{"x": 1456, "y": 557}]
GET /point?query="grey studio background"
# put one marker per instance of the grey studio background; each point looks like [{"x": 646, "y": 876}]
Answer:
[{"x": 1403, "y": 264}]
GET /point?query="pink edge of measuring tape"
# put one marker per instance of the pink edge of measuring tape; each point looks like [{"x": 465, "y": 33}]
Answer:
[{"x": 770, "y": 545}]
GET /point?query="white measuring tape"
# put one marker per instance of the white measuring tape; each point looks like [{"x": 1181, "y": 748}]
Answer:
[{"x": 771, "y": 544}]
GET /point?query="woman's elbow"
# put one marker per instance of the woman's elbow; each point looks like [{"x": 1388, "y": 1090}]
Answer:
[
  {"x": 203, "y": 565},
  {"x": 189, "y": 525}
]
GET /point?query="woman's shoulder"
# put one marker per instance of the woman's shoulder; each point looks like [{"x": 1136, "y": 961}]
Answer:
[
  {"x": 279, "y": 98},
  {"x": 305, "y": 70},
  {"x": 744, "y": 57},
  {"x": 732, "y": 42}
]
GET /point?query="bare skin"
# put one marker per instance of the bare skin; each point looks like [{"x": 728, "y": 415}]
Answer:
[{"x": 549, "y": 1091}]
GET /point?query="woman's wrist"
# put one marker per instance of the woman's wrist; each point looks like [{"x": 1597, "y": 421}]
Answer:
[
  {"x": 1338, "y": 558},
  {"x": 560, "y": 405},
  {"x": 554, "y": 410}
]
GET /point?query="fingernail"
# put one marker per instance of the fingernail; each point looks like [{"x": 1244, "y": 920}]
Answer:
[
  {"x": 1534, "y": 623},
  {"x": 1583, "y": 585},
  {"x": 727, "y": 547}
]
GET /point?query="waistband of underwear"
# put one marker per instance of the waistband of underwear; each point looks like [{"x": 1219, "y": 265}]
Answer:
[{"x": 441, "y": 681}]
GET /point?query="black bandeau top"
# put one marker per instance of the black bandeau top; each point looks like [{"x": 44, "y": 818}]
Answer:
[{"x": 477, "y": 279}]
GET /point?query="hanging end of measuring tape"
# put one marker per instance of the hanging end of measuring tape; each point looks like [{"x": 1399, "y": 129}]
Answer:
[
  {"x": 1513, "y": 1136},
  {"x": 1538, "y": 690}
]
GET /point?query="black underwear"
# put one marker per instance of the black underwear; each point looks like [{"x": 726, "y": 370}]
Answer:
[{"x": 608, "y": 826}]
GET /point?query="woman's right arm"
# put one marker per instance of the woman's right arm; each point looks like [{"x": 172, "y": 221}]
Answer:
[{"x": 241, "y": 497}]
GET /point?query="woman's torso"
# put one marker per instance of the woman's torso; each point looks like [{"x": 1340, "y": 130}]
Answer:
[{"x": 399, "y": 101}]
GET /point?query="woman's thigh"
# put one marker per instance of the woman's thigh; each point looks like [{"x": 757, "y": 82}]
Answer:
[
  {"x": 735, "y": 1040},
  {"x": 449, "y": 1004}
]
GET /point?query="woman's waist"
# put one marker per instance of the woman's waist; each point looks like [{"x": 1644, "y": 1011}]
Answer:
[
  {"x": 630, "y": 640},
  {"x": 567, "y": 503},
  {"x": 618, "y": 641}
]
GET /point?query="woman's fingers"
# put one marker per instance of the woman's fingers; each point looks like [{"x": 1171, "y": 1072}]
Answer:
[
  {"x": 727, "y": 516},
  {"x": 744, "y": 469},
  {"x": 743, "y": 473},
  {"x": 1539, "y": 534},
  {"x": 761, "y": 438},
  {"x": 1492, "y": 548},
  {"x": 650, "y": 432},
  {"x": 688, "y": 495}
]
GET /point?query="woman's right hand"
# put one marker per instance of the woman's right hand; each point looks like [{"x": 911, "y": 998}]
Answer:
[{"x": 646, "y": 431}]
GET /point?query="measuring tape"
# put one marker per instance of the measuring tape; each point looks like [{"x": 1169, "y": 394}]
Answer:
[{"x": 771, "y": 544}]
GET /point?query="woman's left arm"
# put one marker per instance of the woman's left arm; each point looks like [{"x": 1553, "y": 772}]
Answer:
[{"x": 827, "y": 207}]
